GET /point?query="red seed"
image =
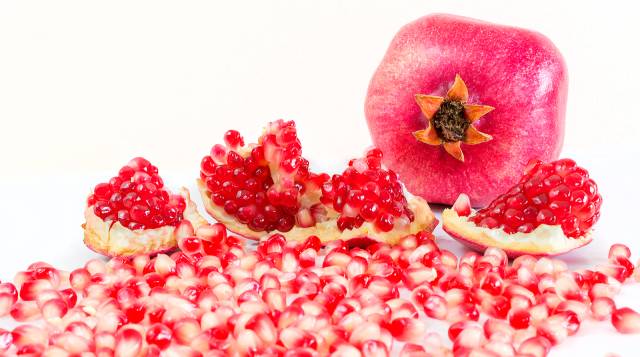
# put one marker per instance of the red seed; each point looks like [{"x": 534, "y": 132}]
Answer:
[
  {"x": 626, "y": 320},
  {"x": 31, "y": 288},
  {"x": 520, "y": 319},
  {"x": 54, "y": 309},
  {"x": 373, "y": 348},
  {"x": 536, "y": 346},
  {"x": 619, "y": 250},
  {"x": 435, "y": 307},
  {"x": 79, "y": 279},
  {"x": 602, "y": 308},
  {"x": 128, "y": 343},
  {"x": 406, "y": 329},
  {"x": 25, "y": 311}
]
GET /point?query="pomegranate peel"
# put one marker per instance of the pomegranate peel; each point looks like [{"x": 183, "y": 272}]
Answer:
[
  {"x": 115, "y": 240},
  {"x": 545, "y": 240},
  {"x": 327, "y": 230},
  {"x": 550, "y": 211}
]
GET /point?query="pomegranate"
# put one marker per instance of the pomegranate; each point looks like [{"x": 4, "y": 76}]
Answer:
[
  {"x": 550, "y": 211},
  {"x": 267, "y": 187},
  {"x": 413, "y": 109},
  {"x": 134, "y": 214}
]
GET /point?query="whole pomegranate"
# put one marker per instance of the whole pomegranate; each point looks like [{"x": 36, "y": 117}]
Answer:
[{"x": 461, "y": 105}]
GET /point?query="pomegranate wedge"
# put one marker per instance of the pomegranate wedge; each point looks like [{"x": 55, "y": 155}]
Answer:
[
  {"x": 550, "y": 211},
  {"x": 267, "y": 187},
  {"x": 134, "y": 214}
]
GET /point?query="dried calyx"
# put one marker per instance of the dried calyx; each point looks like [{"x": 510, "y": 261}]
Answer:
[{"x": 450, "y": 120}]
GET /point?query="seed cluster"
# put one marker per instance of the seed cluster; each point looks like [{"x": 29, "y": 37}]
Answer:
[
  {"x": 366, "y": 192},
  {"x": 556, "y": 193},
  {"x": 262, "y": 185},
  {"x": 136, "y": 198},
  {"x": 217, "y": 298}
]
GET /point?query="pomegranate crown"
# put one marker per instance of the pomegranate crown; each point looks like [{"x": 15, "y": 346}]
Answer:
[{"x": 450, "y": 119}]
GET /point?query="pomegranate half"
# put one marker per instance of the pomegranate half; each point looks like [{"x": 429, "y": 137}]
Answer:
[
  {"x": 134, "y": 214},
  {"x": 550, "y": 211},
  {"x": 460, "y": 105},
  {"x": 267, "y": 187}
]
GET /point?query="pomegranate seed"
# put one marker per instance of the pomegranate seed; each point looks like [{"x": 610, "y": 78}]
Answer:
[
  {"x": 619, "y": 250},
  {"x": 536, "y": 346},
  {"x": 626, "y": 320},
  {"x": 373, "y": 348},
  {"x": 128, "y": 342},
  {"x": 25, "y": 335},
  {"x": 54, "y": 309},
  {"x": 406, "y": 329},
  {"x": 31, "y": 288},
  {"x": 520, "y": 319},
  {"x": 436, "y": 307},
  {"x": 25, "y": 311}
]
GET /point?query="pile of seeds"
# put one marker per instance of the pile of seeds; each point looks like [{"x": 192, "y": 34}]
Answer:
[{"x": 216, "y": 297}]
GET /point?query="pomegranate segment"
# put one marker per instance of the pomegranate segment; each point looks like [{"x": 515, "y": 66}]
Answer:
[
  {"x": 366, "y": 192},
  {"x": 267, "y": 187},
  {"x": 216, "y": 297},
  {"x": 550, "y": 211},
  {"x": 134, "y": 213},
  {"x": 264, "y": 186}
]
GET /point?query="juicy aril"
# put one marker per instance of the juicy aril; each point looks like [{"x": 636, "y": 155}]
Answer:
[
  {"x": 461, "y": 105},
  {"x": 267, "y": 187}
]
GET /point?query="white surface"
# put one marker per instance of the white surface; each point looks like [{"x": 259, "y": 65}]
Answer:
[{"x": 85, "y": 86}]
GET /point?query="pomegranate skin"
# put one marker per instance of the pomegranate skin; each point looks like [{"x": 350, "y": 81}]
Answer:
[{"x": 519, "y": 72}]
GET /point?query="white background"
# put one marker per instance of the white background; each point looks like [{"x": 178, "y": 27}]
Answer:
[{"x": 85, "y": 86}]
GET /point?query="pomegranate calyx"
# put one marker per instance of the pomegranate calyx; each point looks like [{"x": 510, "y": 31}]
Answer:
[{"x": 450, "y": 120}]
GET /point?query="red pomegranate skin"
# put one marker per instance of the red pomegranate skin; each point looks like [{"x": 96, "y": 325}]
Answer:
[{"x": 519, "y": 72}]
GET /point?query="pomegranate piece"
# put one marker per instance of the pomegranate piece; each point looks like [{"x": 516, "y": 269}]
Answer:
[
  {"x": 420, "y": 66},
  {"x": 267, "y": 187},
  {"x": 134, "y": 213},
  {"x": 550, "y": 211}
]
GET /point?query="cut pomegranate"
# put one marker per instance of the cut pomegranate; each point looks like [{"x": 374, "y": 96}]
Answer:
[
  {"x": 134, "y": 214},
  {"x": 550, "y": 211},
  {"x": 268, "y": 187}
]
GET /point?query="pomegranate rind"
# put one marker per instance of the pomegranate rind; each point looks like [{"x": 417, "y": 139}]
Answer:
[
  {"x": 328, "y": 230},
  {"x": 115, "y": 240},
  {"x": 545, "y": 240}
]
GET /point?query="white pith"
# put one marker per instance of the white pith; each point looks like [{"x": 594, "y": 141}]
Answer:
[
  {"x": 328, "y": 230},
  {"x": 114, "y": 239},
  {"x": 543, "y": 240}
]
